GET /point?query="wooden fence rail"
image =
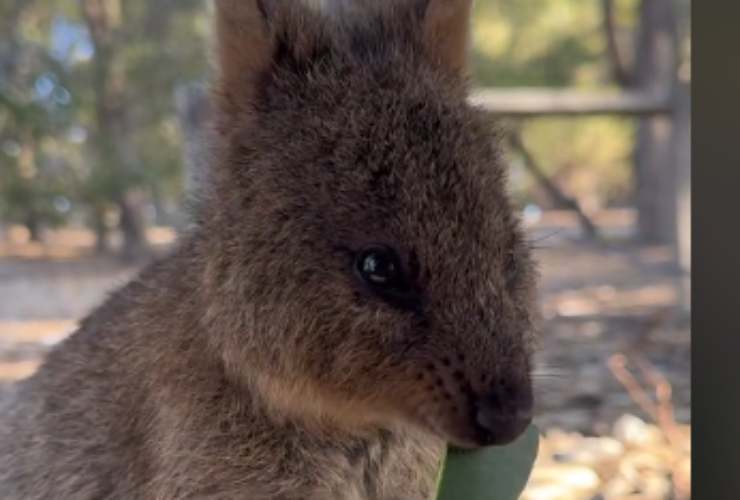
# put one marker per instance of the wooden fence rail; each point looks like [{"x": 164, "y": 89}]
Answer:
[{"x": 541, "y": 102}]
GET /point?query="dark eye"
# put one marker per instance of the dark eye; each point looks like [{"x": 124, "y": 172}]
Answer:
[{"x": 380, "y": 267}]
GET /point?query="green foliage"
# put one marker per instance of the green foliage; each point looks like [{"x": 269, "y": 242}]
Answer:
[
  {"x": 559, "y": 43},
  {"x": 493, "y": 473},
  {"x": 538, "y": 43},
  {"x": 31, "y": 200},
  {"x": 34, "y": 179},
  {"x": 46, "y": 46}
]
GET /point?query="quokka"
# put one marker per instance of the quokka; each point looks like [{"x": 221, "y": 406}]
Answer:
[{"x": 355, "y": 293}]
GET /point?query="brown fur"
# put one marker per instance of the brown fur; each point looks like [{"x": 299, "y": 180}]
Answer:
[{"x": 252, "y": 362}]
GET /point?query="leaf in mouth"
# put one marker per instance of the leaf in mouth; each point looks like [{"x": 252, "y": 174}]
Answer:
[{"x": 491, "y": 473}]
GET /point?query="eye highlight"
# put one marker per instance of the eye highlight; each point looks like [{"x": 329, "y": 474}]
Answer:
[
  {"x": 382, "y": 271},
  {"x": 379, "y": 266}
]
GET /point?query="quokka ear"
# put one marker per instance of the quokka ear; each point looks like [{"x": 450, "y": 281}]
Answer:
[
  {"x": 253, "y": 38},
  {"x": 446, "y": 33},
  {"x": 245, "y": 44}
]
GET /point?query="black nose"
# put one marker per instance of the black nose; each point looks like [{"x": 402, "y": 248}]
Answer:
[{"x": 503, "y": 415}]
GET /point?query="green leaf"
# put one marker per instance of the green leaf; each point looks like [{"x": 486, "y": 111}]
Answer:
[{"x": 493, "y": 473}]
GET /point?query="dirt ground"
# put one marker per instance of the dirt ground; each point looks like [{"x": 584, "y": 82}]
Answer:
[{"x": 603, "y": 303}]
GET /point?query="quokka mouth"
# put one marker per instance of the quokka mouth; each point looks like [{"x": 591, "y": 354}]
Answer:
[{"x": 493, "y": 413}]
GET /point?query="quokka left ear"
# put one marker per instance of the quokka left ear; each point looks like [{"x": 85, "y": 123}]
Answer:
[
  {"x": 250, "y": 36},
  {"x": 245, "y": 44}
]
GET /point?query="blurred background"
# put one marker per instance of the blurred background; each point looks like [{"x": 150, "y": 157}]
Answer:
[{"x": 102, "y": 109}]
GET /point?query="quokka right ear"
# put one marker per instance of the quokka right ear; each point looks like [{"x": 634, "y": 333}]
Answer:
[{"x": 447, "y": 33}]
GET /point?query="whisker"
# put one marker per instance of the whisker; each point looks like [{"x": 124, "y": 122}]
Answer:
[
  {"x": 549, "y": 376},
  {"x": 533, "y": 242}
]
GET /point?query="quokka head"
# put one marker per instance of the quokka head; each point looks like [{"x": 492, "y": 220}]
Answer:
[{"x": 364, "y": 262}]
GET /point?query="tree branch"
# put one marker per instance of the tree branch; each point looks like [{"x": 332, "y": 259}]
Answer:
[
  {"x": 553, "y": 191},
  {"x": 620, "y": 73}
]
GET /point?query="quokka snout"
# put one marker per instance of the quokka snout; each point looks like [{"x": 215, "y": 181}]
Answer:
[{"x": 360, "y": 223}]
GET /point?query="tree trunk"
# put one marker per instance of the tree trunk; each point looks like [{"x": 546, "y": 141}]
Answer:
[
  {"x": 193, "y": 113},
  {"x": 655, "y": 178},
  {"x": 656, "y": 72},
  {"x": 161, "y": 216},
  {"x": 112, "y": 141},
  {"x": 132, "y": 226},
  {"x": 33, "y": 224},
  {"x": 102, "y": 243},
  {"x": 682, "y": 160}
]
